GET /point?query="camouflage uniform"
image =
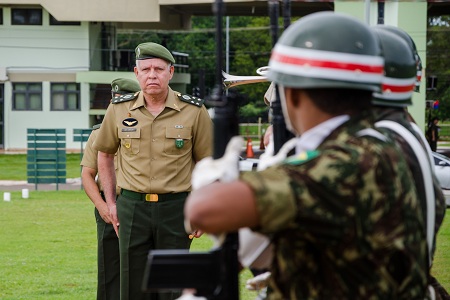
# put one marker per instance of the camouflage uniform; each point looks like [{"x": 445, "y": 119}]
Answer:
[
  {"x": 344, "y": 219},
  {"x": 400, "y": 116}
]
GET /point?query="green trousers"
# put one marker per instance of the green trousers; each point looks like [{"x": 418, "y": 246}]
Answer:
[
  {"x": 145, "y": 226},
  {"x": 108, "y": 277}
]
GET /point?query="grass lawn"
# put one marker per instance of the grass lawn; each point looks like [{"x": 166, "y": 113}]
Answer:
[
  {"x": 48, "y": 242},
  {"x": 16, "y": 166},
  {"x": 48, "y": 247}
]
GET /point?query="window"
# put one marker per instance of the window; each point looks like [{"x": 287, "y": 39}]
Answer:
[
  {"x": 65, "y": 96},
  {"x": 27, "y": 96},
  {"x": 26, "y": 16},
  {"x": 53, "y": 21}
]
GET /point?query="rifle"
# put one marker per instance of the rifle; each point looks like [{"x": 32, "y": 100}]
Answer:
[{"x": 213, "y": 274}]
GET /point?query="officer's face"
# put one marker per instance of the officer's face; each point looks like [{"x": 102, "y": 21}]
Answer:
[{"x": 153, "y": 75}]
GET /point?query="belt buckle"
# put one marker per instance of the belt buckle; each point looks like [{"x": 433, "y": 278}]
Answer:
[{"x": 151, "y": 197}]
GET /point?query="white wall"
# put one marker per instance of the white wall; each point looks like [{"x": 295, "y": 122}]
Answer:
[
  {"x": 40, "y": 51},
  {"x": 19, "y": 121},
  {"x": 409, "y": 16},
  {"x": 43, "y": 47}
]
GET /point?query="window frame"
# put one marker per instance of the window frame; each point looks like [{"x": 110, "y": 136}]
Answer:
[
  {"x": 66, "y": 93},
  {"x": 27, "y": 16},
  {"x": 53, "y": 22},
  {"x": 27, "y": 93}
]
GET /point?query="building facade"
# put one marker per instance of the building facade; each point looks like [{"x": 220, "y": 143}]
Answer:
[
  {"x": 57, "y": 74},
  {"x": 58, "y": 57}
]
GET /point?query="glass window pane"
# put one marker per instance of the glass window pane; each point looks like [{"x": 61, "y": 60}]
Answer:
[
  {"x": 53, "y": 21},
  {"x": 35, "y": 17},
  {"x": 26, "y": 16},
  {"x": 72, "y": 87},
  {"x": 57, "y": 87},
  {"x": 20, "y": 86},
  {"x": 18, "y": 16},
  {"x": 72, "y": 102},
  {"x": 35, "y": 87},
  {"x": 35, "y": 102},
  {"x": 19, "y": 102},
  {"x": 58, "y": 102}
]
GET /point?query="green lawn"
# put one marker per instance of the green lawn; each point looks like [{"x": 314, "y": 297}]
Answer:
[
  {"x": 16, "y": 166},
  {"x": 48, "y": 247},
  {"x": 48, "y": 242}
]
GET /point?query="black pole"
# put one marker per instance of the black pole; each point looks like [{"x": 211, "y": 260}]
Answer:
[
  {"x": 380, "y": 12},
  {"x": 280, "y": 133},
  {"x": 226, "y": 125},
  {"x": 273, "y": 15},
  {"x": 286, "y": 13}
]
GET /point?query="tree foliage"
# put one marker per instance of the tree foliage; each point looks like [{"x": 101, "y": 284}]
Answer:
[
  {"x": 438, "y": 64},
  {"x": 249, "y": 49}
]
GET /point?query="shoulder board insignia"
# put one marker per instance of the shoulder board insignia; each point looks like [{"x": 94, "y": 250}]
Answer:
[
  {"x": 301, "y": 158},
  {"x": 124, "y": 98},
  {"x": 191, "y": 99},
  {"x": 96, "y": 126}
]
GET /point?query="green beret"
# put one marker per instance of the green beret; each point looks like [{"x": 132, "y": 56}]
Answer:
[
  {"x": 153, "y": 50},
  {"x": 124, "y": 86}
]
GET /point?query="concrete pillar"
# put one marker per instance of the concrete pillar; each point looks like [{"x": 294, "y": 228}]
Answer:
[{"x": 409, "y": 16}]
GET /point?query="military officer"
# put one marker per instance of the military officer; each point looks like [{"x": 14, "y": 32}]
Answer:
[
  {"x": 162, "y": 134},
  {"x": 108, "y": 279},
  {"x": 343, "y": 214},
  {"x": 123, "y": 86}
]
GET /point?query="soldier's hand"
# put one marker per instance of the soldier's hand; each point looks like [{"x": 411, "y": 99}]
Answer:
[
  {"x": 268, "y": 158},
  {"x": 258, "y": 282},
  {"x": 188, "y": 294},
  {"x": 224, "y": 169}
]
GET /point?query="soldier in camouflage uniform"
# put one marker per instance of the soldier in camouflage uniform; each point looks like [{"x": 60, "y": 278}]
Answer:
[
  {"x": 343, "y": 213},
  {"x": 399, "y": 82}
]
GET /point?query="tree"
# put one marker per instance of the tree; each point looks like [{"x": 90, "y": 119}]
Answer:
[
  {"x": 249, "y": 49},
  {"x": 438, "y": 64}
]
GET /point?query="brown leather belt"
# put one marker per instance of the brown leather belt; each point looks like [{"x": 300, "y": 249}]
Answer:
[{"x": 153, "y": 197}]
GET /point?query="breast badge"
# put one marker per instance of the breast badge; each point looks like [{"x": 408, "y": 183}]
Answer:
[
  {"x": 130, "y": 122},
  {"x": 179, "y": 143}
]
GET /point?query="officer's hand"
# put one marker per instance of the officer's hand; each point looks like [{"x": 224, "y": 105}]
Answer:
[
  {"x": 267, "y": 159},
  {"x": 103, "y": 210},
  {"x": 114, "y": 219},
  {"x": 224, "y": 169}
]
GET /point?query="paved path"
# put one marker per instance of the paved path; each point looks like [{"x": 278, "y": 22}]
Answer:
[{"x": 12, "y": 185}]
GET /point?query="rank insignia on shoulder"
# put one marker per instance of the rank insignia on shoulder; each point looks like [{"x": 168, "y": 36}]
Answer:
[
  {"x": 96, "y": 126},
  {"x": 301, "y": 157},
  {"x": 124, "y": 98},
  {"x": 191, "y": 99}
]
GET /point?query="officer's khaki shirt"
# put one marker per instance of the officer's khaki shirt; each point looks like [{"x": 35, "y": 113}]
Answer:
[
  {"x": 90, "y": 158},
  {"x": 149, "y": 158},
  {"x": 90, "y": 154}
]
